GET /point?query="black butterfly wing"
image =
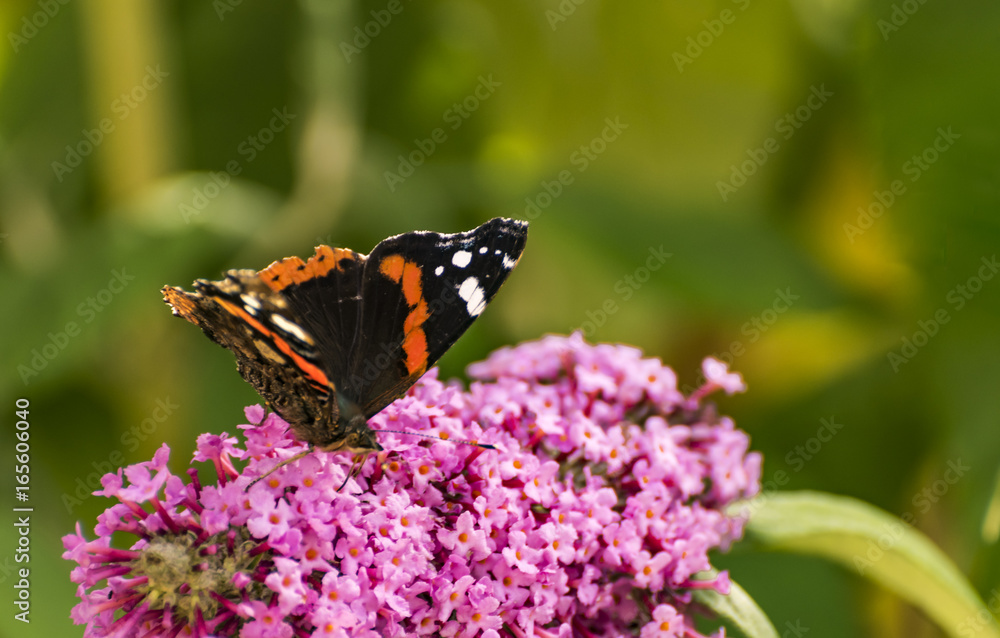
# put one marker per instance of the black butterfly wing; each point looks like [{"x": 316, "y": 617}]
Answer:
[
  {"x": 273, "y": 354},
  {"x": 420, "y": 291},
  {"x": 343, "y": 331},
  {"x": 324, "y": 295}
]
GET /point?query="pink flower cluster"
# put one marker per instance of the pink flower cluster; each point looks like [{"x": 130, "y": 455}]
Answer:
[{"x": 591, "y": 518}]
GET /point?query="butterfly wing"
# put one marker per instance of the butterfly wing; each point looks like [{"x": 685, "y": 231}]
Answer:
[
  {"x": 324, "y": 296},
  {"x": 334, "y": 339},
  {"x": 273, "y": 354},
  {"x": 420, "y": 291}
]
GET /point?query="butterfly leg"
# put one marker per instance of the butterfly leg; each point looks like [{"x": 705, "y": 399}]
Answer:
[
  {"x": 268, "y": 473},
  {"x": 355, "y": 468}
]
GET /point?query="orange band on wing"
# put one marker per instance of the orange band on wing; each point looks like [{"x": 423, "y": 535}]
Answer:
[
  {"x": 292, "y": 270},
  {"x": 413, "y": 290},
  {"x": 408, "y": 275},
  {"x": 416, "y": 318},
  {"x": 406, "y": 272},
  {"x": 312, "y": 371},
  {"x": 392, "y": 267},
  {"x": 415, "y": 347}
]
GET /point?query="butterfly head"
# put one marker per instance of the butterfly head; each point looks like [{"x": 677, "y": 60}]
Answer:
[{"x": 357, "y": 438}]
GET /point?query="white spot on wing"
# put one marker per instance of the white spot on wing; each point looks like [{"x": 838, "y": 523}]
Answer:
[
  {"x": 291, "y": 328},
  {"x": 461, "y": 258},
  {"x": 482, "y": 251},
  {"x": 472, "y": 294},
  {"x": 250, "y": 303},
  {"x": 439, "y": 270},
  {"x": 509, "y": 263}
]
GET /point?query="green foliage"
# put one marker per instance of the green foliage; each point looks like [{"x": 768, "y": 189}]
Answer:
[
  {"x": 823, "y": 176},
  {"x": 875, "y": 545}
]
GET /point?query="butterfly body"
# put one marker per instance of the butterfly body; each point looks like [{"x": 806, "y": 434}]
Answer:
[{"x": 330, "y": 341}]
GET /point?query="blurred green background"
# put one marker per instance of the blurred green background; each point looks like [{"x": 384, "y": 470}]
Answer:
[{"x": 823, "y": 176}]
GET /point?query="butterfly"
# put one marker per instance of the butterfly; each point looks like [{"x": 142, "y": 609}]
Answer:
[{"x": 331, "y": 341}]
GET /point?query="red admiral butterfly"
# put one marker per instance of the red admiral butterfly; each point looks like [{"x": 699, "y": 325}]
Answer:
[{"x": 331, "y": 341}]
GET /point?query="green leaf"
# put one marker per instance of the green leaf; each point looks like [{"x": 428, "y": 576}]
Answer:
[
  {"x": 739, "y": 609},
  {"x": 876, "y": 545}
]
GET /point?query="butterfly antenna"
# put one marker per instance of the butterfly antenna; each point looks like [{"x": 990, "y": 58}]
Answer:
[{"x": 485, "y": 446}]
